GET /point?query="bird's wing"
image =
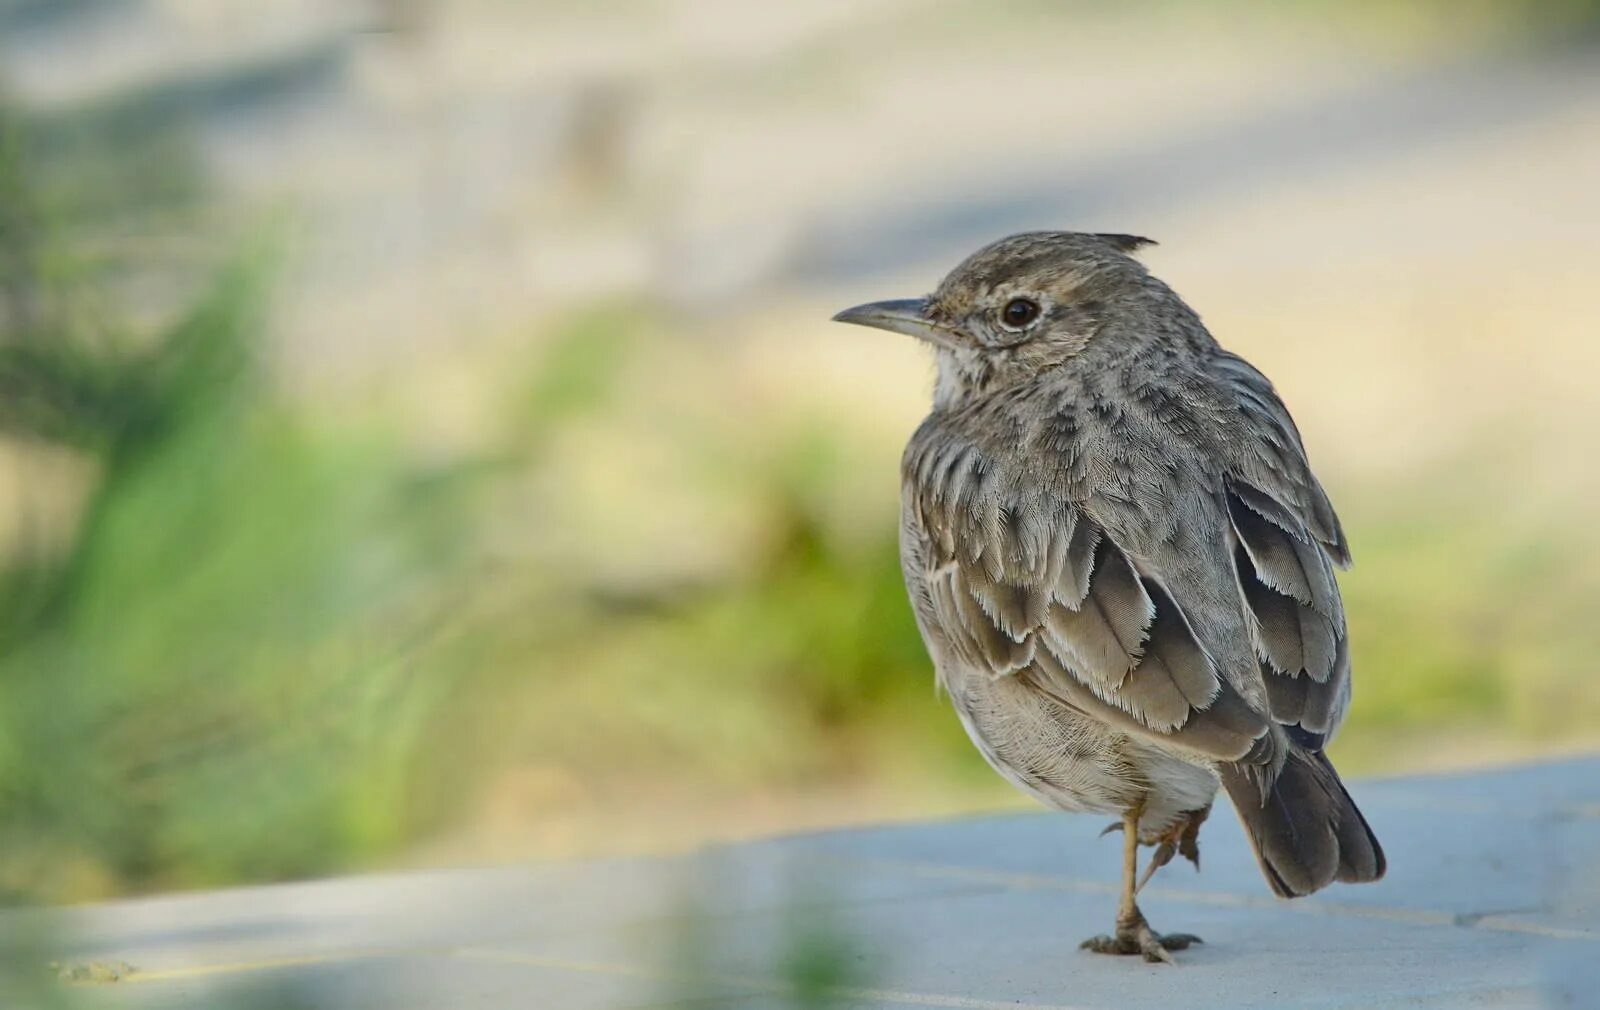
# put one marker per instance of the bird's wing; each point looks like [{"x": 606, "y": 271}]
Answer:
[
  {"x": 1010, "y": 577},
  {"x": 1289, "y": 541}
]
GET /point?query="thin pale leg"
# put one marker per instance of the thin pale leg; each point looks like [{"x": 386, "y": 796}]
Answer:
[{"x": 1134, "y": 935}]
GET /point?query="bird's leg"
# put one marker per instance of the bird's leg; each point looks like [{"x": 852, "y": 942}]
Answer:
[
  {"x": 1127, "y": 907},
  {"x": 1134, "y": 935}
]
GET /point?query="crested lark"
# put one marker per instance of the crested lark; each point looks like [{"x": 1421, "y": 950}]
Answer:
[{"x": 1123, "y": 566}]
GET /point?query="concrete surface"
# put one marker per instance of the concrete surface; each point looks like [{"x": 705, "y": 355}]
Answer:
[{"x": 1492, "y": 900}]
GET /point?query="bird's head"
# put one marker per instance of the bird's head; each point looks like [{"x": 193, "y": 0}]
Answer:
[{"x": 1014, "y": 308}]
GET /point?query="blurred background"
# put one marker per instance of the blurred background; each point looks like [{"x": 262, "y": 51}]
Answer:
[{"x": 422, "y": 438}]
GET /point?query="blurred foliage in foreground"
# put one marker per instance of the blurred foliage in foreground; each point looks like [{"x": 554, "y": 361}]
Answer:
[{"x": 185, "y": 679}]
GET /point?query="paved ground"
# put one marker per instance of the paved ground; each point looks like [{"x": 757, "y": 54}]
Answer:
[{"x": 1493, "y": 899}]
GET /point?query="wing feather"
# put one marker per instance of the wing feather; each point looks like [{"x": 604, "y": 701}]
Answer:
[
  {"x": 1171, "y": 648},
  {"x": 1102, "y": 638},
  {"x": 1274, "y": 462},
  {"x": 1123, "y": 603},
  {"x": 1015, "y": 580},
  {"x": 1289, "y": 542}
]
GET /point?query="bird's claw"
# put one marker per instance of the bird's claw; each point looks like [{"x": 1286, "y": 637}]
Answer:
[{"x": 1142, "y": 940}]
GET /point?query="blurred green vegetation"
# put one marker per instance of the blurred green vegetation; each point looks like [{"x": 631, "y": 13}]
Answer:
[
  {"x": 1471, "y": 615},
  {"x": 1398, "y": 22},
  {"x": 815, "y": 960},
  {"x": 151, "y": 733}
]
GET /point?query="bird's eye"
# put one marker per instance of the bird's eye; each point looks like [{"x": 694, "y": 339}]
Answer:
[{"x": 1019, "y": 312}]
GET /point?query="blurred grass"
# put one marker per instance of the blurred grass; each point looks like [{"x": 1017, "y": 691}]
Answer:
[
  {"x": 814, "y": 960},
  {"x": 1471, "y": 622},
  {"x": 1398, "y": 23},
  {"x": 208, "y": 680}
]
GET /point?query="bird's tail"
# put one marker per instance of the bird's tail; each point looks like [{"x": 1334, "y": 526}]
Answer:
[{"x": 1306, "y": 830}]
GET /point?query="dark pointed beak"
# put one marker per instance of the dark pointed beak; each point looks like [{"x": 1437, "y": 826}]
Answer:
[{"x": 899, "y": 315}]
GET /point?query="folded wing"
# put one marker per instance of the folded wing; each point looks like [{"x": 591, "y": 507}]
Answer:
[{"x": 1015, "y": 580}]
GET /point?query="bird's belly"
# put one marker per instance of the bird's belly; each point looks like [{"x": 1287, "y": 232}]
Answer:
[{"x": 1070, "y": 761}]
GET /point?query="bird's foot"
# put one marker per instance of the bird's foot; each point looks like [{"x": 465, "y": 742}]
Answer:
[
  {"x": 1138, "y": 938},
  {"x": 1182, "y": 837}
]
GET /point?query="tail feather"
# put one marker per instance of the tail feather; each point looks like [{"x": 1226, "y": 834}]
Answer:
[{"x": 1306, "y": 830}]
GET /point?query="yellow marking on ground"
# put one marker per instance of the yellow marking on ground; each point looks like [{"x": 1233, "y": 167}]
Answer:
[
  {"x": 1050, "y": 882},
  {"x": 270, "y": 964},
  {"x": 1504, "y": 925},
  {"x": 91, "y": 972},
  {"x": 756, "y": 983},
  {"x": 752, "y": 983}
]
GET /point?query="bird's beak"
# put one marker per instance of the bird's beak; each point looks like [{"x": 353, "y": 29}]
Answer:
[{"x": 899, "y": 315}]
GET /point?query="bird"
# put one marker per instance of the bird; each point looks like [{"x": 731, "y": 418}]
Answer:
[{"x": 1123, "y": 567}]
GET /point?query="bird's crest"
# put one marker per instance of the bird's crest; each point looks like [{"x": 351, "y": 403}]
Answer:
[{"x": 1129, "y": 244}]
